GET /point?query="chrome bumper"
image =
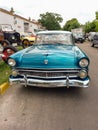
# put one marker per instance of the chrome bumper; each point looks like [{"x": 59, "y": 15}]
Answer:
[{"x": 51, "y": 83}]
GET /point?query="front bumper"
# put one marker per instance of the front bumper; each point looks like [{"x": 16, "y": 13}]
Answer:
[{"x": 50, "y": 83}]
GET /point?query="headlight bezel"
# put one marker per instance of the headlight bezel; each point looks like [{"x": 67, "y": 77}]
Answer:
[
  {"x": 13, "y": 37},
  {"x": 83, "y": 62},
  {"x": 14, "y": 72},
  {"x": 11, "y": 62},
  {"x": 83, "y": 74}
]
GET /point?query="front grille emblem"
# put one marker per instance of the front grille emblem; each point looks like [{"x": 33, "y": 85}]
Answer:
[{"x": 46, "y": 62}]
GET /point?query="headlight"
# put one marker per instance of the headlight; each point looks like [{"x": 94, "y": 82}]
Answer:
[
  {"x": 13, "y": 37},
  {"x": 83, "y": 62},
  {"x": 14, "y": 73},
  {"x": 11, "y": 62},
  {"x": 83, "y": 74}
]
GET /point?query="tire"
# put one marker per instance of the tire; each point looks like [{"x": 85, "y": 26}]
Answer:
[
  {"x": 5, "y": 43},
  {"x": 82, "y": 41},
  {"x": 92, "y": 44},
  {"x": 25, "y": 43},
  {"x": 7, "y": 51}
]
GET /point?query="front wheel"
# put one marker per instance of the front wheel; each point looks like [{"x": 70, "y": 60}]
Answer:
[
  {"x": 25, "y": 43},
  {"x": 7, "y": 51},
  {"x": 5, "y": 43},
  {"x": 92, "y": 44}
]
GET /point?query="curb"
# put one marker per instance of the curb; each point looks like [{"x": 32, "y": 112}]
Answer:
[{"x": 4, "y": 87}]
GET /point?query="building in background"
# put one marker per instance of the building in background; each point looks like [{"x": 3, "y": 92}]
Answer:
[{"x": 19, "y": 23}]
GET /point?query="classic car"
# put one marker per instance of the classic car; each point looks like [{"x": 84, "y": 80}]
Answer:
[
  {"x": 52, "y": 61},
  {"x": 7, "y": 51},
  {"x": 27, "y": 39},
  {"x": 8, "y": 36}
]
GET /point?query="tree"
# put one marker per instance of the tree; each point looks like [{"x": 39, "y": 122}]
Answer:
[
  {"x": 51, "y": 20},
  {"x": 71, "y": 24},
  {"x": 90, "y": 27},
  {"x": 96, "y": 21},
  {"x": 96, "y": 15}
]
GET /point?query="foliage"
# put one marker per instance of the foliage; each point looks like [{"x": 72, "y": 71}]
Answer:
[
  {"x": 90, "y": 27},
  {"x": 96, "y": 21},
  {"x": 71, "y": 24},
  {"x": 4, "y": 72},
  {"x": 51, "y": 21},
  {"x": 96, "y": 28},
  {"x": 96, "y": 15}
]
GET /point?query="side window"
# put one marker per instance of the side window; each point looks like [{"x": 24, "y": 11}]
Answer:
[{"x": 96, "y": 37}]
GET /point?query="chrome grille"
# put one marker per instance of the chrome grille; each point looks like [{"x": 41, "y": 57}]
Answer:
[{"x": 49, "y": 73}]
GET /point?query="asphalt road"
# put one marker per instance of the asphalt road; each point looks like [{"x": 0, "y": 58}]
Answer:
[{"x": 53, "y": 109}]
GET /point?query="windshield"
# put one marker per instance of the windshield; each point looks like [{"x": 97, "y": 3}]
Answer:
[
  {"x": 54, "y": 38},
  {"x": 6, "y": 27}
]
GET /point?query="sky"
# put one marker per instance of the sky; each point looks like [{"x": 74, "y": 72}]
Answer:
[{"x": 83, "y": 10}]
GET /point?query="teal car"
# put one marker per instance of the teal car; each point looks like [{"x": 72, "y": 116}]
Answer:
[{"x": 52, "y": 61}]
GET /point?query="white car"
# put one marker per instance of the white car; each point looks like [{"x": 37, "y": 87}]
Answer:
[
  {"x": 90, "y": 36},
  {"x": 94, "y": 40}
]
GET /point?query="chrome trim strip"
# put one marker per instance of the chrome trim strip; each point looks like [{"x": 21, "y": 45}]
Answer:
[
  {"x": 33, "y": 76},
  {"x": 49, "y": 70}
]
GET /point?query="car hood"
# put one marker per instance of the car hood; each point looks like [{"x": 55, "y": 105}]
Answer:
[
  {"x": 30, "y": 38},
  {"x": 48, "y": 57}
]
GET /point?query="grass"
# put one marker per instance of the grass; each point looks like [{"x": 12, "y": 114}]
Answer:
[
  {"x": 19, "y": 48},
  {"x": 5, "y": 71}
]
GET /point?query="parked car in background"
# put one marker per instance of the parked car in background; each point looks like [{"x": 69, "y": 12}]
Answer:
[
  {"x": 52, "y": 61},
  {"x": 78, "y": 34},
  {"x": 90, "y": 36},
  {"x": 8, "y": 36},
  {"x": 27, "y": 39},
  {"x": 9, "y": 39},
  {"x": 79, "y": 38},
  {"x": 94, "y": 40}
]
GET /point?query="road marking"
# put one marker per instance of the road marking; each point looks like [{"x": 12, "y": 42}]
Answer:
[{"x": 4, "y": 87}]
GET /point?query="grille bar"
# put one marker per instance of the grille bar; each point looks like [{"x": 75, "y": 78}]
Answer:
[
  {"x": 49, "y": 73},
  {"x": 49, "y": 70}
]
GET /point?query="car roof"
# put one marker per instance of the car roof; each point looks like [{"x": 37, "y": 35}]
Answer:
[{"x": 53, "y": 31}]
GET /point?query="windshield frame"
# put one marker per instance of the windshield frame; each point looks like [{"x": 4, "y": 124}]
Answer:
[
  {"x": 55, "y": 38},
  {"x": 6, "y": 27}
]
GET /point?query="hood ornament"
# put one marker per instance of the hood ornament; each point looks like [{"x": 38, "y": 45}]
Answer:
[{"x": 45, "y": 61}]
